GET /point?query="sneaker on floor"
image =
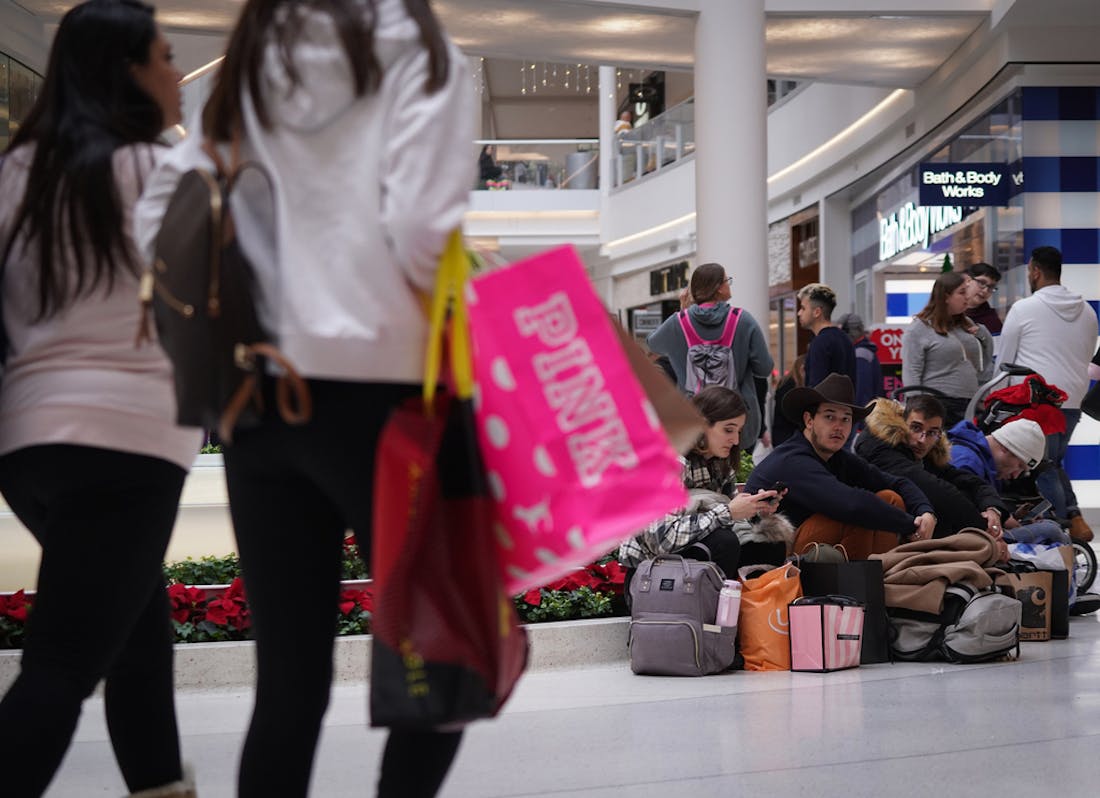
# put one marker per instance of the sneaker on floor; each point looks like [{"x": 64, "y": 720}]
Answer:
[
  {"x": 1086, "y": 603},
  {"x": 1079, "y": 529}
]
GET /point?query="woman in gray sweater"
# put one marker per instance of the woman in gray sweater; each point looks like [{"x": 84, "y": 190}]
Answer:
[{"x": 945, "y": 350}]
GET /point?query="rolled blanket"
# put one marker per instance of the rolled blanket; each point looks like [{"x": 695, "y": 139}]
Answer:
[{"x": 916, "y": 574}]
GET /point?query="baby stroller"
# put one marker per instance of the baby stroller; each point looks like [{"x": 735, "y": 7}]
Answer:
[
  {"x": 1034, "y": 398},
  {"x": 1039, "y": 401}
]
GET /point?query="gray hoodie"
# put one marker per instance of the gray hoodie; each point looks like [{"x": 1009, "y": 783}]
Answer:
[
  {"x": 1054, "y": 332},
  {"x": 750, "y": 354}
]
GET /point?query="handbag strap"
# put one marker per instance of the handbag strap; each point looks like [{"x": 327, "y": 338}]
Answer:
[{"x": 449, "y": 294}]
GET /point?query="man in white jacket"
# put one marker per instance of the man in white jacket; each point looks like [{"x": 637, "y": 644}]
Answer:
[{"x": 1054, "y": 333}]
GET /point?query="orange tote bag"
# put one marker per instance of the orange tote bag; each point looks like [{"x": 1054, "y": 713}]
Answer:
[{"x": 763, "y": 627}]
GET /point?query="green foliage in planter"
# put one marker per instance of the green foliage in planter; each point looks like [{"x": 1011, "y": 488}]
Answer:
[
  {"x": 745, "y": 466},
  {"x": 211, "y": 448},
  {"x": 207, "y": 632},
  {"x": 208, "y": 570},
  {"x": 11, "y": 633},
  {"x": 351, "y": 564},
  {"x": 564, "y": 605}
]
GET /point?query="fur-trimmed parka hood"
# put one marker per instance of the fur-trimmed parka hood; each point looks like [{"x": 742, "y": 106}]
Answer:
[{"x": 887, "y": 423}]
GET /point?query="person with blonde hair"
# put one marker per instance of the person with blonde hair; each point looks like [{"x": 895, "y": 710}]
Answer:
[{"x": 831, "y": 350}]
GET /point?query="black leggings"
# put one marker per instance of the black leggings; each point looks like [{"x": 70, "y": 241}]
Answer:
[
  {"x": 293, "y": 491},
  {"x": 103, "y": 519}
]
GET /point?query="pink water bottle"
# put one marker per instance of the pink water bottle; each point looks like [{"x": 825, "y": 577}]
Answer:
[{"x": 729, "y": 603}]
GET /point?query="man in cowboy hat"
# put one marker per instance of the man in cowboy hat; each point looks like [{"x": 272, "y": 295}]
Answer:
[{"x": 834, "y": 496}]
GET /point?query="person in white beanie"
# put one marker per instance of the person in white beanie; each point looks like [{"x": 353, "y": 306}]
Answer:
[
  {"x": 1053, "y": 332},
  {"x": 1006, "y": 453}
]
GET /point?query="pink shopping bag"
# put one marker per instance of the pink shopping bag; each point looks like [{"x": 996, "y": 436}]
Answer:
[
  {"x": 826, "y": 633},
  {"x": 575, "y": 454}
]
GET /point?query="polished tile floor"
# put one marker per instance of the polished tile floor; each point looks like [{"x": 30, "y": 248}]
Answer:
[{"x": 1012, "y": 729}]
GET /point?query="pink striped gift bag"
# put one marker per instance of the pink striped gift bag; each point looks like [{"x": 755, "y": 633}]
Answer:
[
  {"x": 574, "y": 451},
  {"x": 826, "y": 633}
]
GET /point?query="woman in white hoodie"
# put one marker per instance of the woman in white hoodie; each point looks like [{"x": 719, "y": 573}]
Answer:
[{"x": 362, "y": 114}]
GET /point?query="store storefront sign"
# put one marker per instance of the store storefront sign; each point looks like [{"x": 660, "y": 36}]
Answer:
[
  {"x": 912, "y": 226},
  {"x": 668, "y": 278},
  {"x": 972, "y": 184}
]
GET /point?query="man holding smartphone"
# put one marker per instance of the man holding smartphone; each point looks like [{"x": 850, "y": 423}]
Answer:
[{"x": 834, "y": 496}]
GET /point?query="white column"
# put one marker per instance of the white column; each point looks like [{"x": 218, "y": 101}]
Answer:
[
  {"x": 731, "y": 139},
  {"x": 834, "y": 246},
  {"x": 607, "y": 127}
]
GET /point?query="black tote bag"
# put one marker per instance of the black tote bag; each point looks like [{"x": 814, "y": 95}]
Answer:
[{"x": 861, "y": 580}]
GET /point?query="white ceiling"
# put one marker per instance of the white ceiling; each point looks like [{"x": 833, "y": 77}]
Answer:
[{"x": 890, "y": 50}]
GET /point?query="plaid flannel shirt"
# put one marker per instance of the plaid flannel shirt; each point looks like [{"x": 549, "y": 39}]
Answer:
[{"x": 679, "y": 529}]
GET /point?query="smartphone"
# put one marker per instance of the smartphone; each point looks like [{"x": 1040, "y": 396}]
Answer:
[
  {"x": 1036, "y": 511},
  {"x": 778, "y": 487}
]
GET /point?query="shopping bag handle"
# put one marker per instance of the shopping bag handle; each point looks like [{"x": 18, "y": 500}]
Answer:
[{"x": 450, "y": 293}]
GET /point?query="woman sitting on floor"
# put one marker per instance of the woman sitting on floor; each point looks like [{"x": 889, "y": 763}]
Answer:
[{"x": 714, "y": 526}]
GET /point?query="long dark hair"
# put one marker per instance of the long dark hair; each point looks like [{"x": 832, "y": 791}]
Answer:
[
  {"x": 89, "y": 106},
  {"x": 259, "y": 25},
  {"x": 718, "y": 403},
  {"x": 935, "y": 312}
]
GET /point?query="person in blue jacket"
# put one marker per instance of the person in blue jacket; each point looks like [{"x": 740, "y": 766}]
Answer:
[
  {"x": 834, "y": 496},
  {"x": 1006, "y": 453}
]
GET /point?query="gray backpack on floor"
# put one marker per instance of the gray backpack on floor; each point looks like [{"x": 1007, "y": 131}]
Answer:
[
  {"x": 974, "y": 626},
  {"x": 674, "y": 603}
]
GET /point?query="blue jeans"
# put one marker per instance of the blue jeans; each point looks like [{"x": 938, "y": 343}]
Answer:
[
  {"x": 1053, "y": 483},
  {"x": 1044, "y": 531}
]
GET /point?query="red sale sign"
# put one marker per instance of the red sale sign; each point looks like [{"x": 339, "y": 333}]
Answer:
[{"x": 888, "y": 341}]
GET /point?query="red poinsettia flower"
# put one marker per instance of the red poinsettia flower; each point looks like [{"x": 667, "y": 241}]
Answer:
[
  {"x": 350, "y": 599},
  {"x": 229, "y": 609},
  {"x": 611, "y": 574},
  {"x": 187, "y": 602},
  {"x": 15, "y": 606},
  {"x": 533, "y": 597}
]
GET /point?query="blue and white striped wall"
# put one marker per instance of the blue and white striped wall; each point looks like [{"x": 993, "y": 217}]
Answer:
[{"x": 1061, "y": 139}]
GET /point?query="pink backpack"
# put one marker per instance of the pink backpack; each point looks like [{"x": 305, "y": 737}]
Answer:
[{"x": 709, "y": 362}]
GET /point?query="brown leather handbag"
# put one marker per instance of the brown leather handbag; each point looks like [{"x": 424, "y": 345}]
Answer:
[{"x": 200, "y": 291}]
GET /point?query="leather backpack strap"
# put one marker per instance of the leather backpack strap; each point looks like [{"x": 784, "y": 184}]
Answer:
[{"x": 292, "y": 396}]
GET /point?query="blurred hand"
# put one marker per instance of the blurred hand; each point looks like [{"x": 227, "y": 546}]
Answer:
[
  {"x": 925, "y": 524},
  {"x": 992, "y": 523},
  {"x": 746, "y": 505}
]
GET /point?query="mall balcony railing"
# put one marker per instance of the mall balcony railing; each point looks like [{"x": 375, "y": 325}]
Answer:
[
  {"x": 661, "y": 142},
  {"x": 539, "y": 164}
]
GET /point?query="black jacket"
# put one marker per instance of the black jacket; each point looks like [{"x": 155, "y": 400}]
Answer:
[{"x": 958, "y": 496}]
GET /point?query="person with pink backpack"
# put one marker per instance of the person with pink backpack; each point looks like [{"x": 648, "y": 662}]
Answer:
[{"x": 712, "y": 342}]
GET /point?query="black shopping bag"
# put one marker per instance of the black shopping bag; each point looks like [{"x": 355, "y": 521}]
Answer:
[{"x": 861, "y": 580}]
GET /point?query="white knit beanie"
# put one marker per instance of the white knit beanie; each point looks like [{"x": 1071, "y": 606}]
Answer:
[{"x": 1024, "y": 438}]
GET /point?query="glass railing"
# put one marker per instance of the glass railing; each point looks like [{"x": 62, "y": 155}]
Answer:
[
  {"x": 657, "y": 144},
  {"x": 538, "y": 164}
]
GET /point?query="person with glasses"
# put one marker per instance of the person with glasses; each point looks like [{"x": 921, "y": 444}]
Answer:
[
  {"x": 711, "y": 315},
  {"x": 983, "y": 287},
  {"x": 911, "y": 442}
]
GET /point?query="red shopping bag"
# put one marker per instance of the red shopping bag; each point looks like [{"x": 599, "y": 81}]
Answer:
[{"x": 447, "y": 646}]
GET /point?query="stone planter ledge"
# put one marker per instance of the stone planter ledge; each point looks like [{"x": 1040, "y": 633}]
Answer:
[{"x": 215, "y": 666}]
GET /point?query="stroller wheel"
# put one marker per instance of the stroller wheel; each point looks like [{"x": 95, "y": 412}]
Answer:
[{"x": 1086, "y": 565}]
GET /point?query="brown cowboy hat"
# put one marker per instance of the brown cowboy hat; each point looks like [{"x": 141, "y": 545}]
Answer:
[{"x": 836, "y": 389}]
